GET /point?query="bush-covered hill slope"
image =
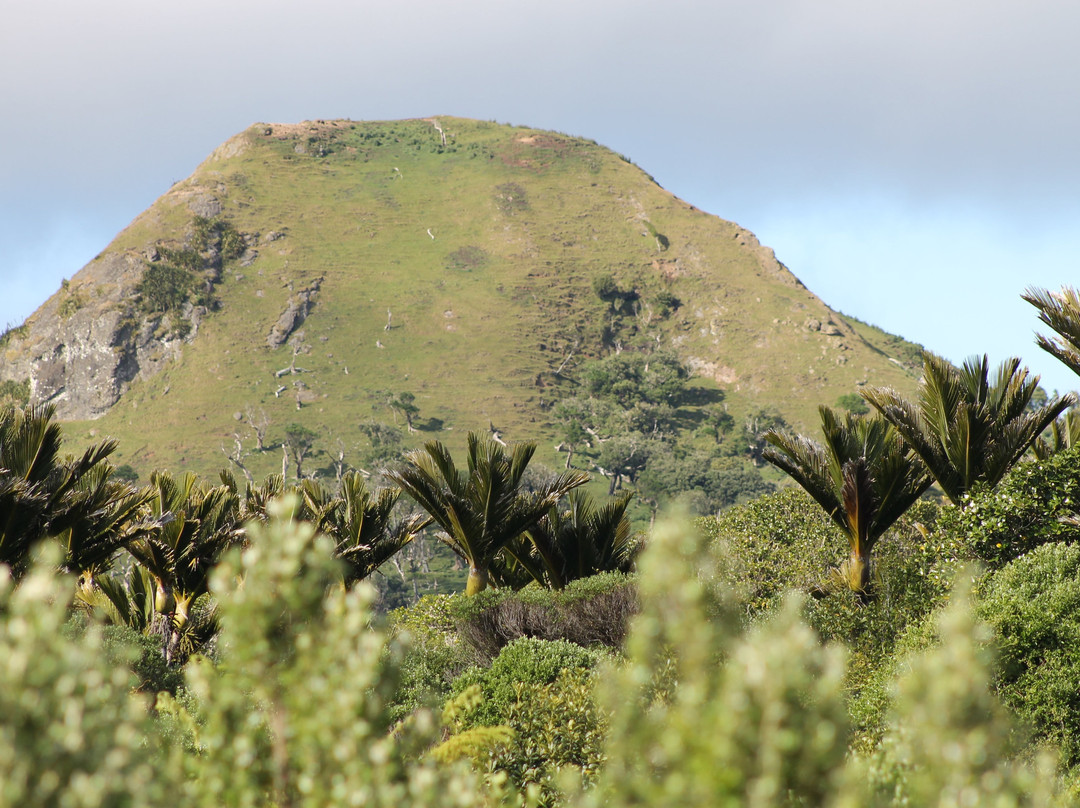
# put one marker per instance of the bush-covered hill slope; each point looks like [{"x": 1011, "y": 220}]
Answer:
[{"x": 452, "y": 272}]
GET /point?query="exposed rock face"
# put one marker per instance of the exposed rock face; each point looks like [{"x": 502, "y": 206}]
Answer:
[
  {"x": 82, "y": 350},
  {"x": 297, "y": 310}
]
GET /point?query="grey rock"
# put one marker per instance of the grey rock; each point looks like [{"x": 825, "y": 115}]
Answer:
[{"x": 296, "y": 311}]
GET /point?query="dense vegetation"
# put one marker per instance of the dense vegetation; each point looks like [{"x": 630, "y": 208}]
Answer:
[{"x": 860, "y": 643}]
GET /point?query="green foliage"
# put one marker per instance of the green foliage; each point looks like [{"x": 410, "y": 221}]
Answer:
[
  {"x": 217, "y": 234},
  {"x": 727, "y": 733},
  {"x": 773, "y": 544},
  {"x": 605, "y": 287},
  {"x": 864, "y": 476},
  {"x": 630, "y": 377},
  {"x": 967, "y": 426},
  {"x": 551, "y": 732},
  {"x": 666, "y": 302},
  {"x": 44, "y": 493},
  {"x": 433, "y": 656},
  {"x": 853, "y": 403},
  {"x": 784, "y": 542},
  {"x": 13, "y": 332},
  {"x": 14, "y": 393},
  {"x": 481, "y": 509},
  {"x": 126, "y": 473},
  {"x": 703, "y": 482},
  {"x": 1033, "y": 603},
  {"x": 575, "y": 539},
  {"x": 165, "y": 287},
  {"x": 1030, "y": 507},
  {"x": 526, "y": 660},
  {"x": 300, "y": 715},
  {"x": 950, "y": 741},
  {"x": 511, "y": 198},
  {"x": 124, "y": 645},
  {"x": 71, "y": 300},
  {"x": 1061, "y": 311},
  {"x": 73, "y": 734},
  {"x": 359, "y": 523}
]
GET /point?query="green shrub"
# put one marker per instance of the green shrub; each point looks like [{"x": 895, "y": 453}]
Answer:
[
  {"x": 1024, "y": 511},
  {"x": 17, "y": 393},
  {"x": 542, "y": 691},
  {"x": 165, "y": 287},
  {"x": 467, "y": 258},
  {"x": 298, "y": 713},
  {"x": 701, "y": 718},
  {"x": 72, "y": 732},
  {"x": 588, "y": 612},
  {"x": 1033, "y": 603},
  {"x": 784, "y": 541},
  {"x": 526, "y": 660},
  {"x": 950, "y": 742},
  {"x": 511, "y": 198},
  {"x": 559, "y": 735},
  {"x": 434, "y": 654},
  {"x": 776, "y": 543}
]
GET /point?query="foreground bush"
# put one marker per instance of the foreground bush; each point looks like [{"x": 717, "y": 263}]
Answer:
[
  {"x": 699, "y": 712},
  {"x": 542, "y": 691},
  {"x": 71, "y": 732},
  {"x": 1029, "y": 508},
  {"x": 1034, "y": 605},
  {"x": 298, "y": 713}
]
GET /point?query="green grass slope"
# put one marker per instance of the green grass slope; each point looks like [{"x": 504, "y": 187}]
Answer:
[{"x": 483, "y": 242}]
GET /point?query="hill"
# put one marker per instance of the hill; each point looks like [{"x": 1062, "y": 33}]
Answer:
[{"x": 341, "y": 276}]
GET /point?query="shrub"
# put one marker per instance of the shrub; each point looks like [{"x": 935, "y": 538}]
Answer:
[
  {"x": 778, "y": 542},
  {"x": 1033, "y": 603},
  {"x": 588, "y": 612},
  {"x": 434, "y": 654},
  {"x": 605, "y": 287},
  {"x": 526, "y": 660},
  {"x": 299, "y": 713},
  {"x": 950, "y": 741},
  {"x": 72, "y": 732},
  {"x": 759, "y": 721},
  {"x": 17, "y": 393},
  {"x": 165, "y": 287},
  {"x": 542, "y": 691},
  {"x": 511, "y": 198},
  {"x": 1024, "y": 511},
  {"x": 666, "y": 302}
]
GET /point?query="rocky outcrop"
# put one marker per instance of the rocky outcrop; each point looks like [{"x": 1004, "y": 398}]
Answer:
[
  {"x": 83, "y": 348},
  {"x": 296, "y": 311}
]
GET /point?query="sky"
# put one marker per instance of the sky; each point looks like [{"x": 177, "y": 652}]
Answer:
[{"x": 914, "y": 163}]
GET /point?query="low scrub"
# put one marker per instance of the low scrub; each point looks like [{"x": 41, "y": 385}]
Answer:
[{"x": 588, "y": 612}]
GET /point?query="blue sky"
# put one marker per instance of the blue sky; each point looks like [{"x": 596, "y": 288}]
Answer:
[{"x": 913, "y": 163}]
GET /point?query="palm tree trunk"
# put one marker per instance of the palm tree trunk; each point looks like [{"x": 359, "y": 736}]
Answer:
[
  {"x": 859, "y": 572},
  {"x": 477, "y": 581}
]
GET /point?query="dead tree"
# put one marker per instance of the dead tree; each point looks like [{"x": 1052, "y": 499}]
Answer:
[
  {"x": 237, "y": 456},
  {"x": 259, "y": 423}
]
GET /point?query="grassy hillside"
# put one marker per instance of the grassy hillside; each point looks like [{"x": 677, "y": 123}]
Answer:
[{"x": 456, "y": 261}]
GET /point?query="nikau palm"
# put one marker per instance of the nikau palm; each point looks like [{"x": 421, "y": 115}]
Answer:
[
  {"x": 1060, "y": 311},
  {"x": 197, "y": 524},
  {"x": 484, "y": 508},
  {"x": 576, "y": 539},
  {"x": 966, "y": 426},
  {"x": 360, "y": 523},
  {"x": 864, "y": 476},
  {"x": 45, "y": 494}
]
